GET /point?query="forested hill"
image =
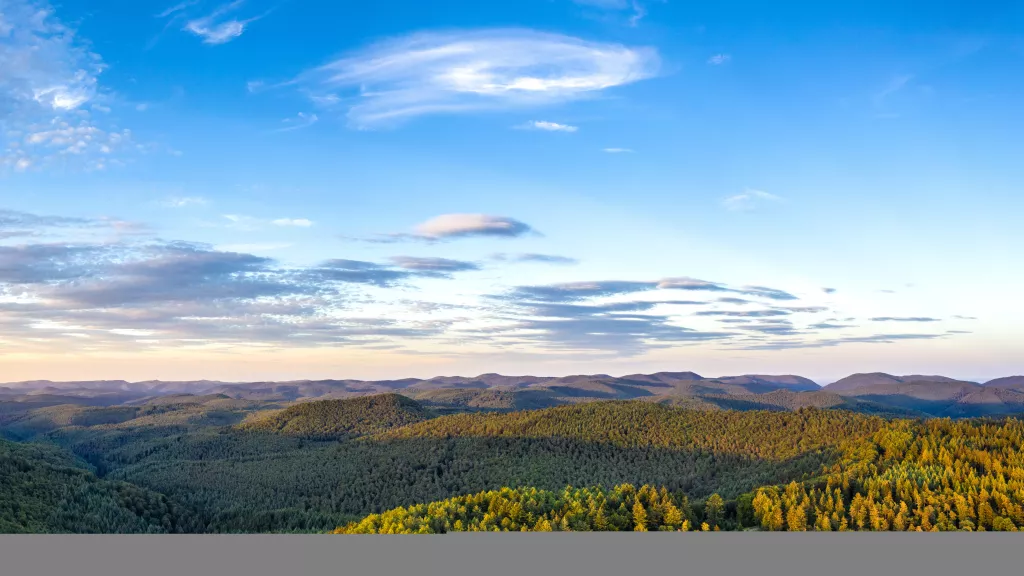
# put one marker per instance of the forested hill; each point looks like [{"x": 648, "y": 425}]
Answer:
[
  {"x": 338, "y": 419},
  {"x": 317, "y": 466},
  {"x": 44, "y": 489},
  {"x": 631, "y": 424},
  {"x": 906, "y": 476}
]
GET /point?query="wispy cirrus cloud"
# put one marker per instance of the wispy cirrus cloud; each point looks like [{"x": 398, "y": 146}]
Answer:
[
  {"x": 539, "y": 258},
  {"x": 744, "y": 313},
  {"x": 687, "y": 283},
  {"x": 904, "y": 319},
  {"x": 625, "y": 328},
  {"x": 896, "y": 84},
  {"x": 183, "y": 201},
  {"x": 301, "y": 120},
  {"x": 830, "y": 342},
  {"x": 25, "y": 220},
  {"x": 547, "y": 126},
  {"x": 576, "y": 291},
  {"x": 243, "y": 222},
  {"x": 490, "y": 69},
  {"x": 15, "y": 224},
  {"x": 591, "y": 316},
  {"x": 431, "y": 264},
  {"x": 749, "y": 199},
  {"x": 297, "y": 222},
  {"x": 176, "y": 8},
  {"x": 719, "y": 59},
  {"x": 214, "y": 28},
  {"x": 636, "y": 10},
  {"x": 731, "y": 300},
  {"x": 617, "y": 150}
]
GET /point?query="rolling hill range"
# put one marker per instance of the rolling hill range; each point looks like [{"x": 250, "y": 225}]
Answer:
[
  {"x": 736, "y": 459},
  {"x": 879, "y": 393},
  {"x": 935, "y": 395},
  {"x": 603, "y": 385}
]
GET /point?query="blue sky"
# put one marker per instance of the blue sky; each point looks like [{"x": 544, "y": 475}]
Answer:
[{"x": 299, "y": 189}]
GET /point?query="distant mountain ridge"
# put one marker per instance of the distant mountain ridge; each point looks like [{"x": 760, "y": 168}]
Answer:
[
  {"x": 855, "y": 381},
  {"x": 1009, "y": 382},
  {"x": 593, "y": 386},
  {"x": 936, "y": 395},
  {"x": 933, "y": 395}
]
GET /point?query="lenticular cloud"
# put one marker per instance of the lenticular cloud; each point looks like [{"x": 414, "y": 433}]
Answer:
[{"x": 491, "y": 69}]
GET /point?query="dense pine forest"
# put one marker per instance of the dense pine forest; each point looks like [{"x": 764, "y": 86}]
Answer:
[{"x": 388, "y": 463}]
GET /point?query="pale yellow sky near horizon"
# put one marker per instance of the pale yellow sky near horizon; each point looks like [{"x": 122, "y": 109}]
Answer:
[{"x": 978, "y": 361}]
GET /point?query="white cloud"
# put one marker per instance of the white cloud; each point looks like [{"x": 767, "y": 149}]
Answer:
[
  {"x": 50, "y": 93},
  {"x": 300, "y": 222},
  {"x": 431, "y": 73},
  {"x": 748, "y": 199},
  {"x": 895, "y": 85},
  {"x": 639, "y": 11},
  {"x": 326, "y": 100},
  {"x": 60, "y": 140},
  {"x": 301, "y": 120},
  {"x": 62, "y": 136},
  {"x": 455, "y": 225},
  {"x": 618, "y": 150},
  {"x": 177, "y": 8},
  {"x": 605, "y": 4},
  {"x": 719, "y": 59},
  {"x": 241, "y": 222},
  {"x": 213, "y": 29},
  {"x": 549, "y": 126},
  {"x": 183, "y": 201},
  {"x": 132, "y": 332},
  {"x": 42, "y": 62}
]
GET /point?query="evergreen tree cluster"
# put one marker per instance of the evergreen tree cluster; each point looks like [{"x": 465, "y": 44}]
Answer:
[
  {"x": 621, "y": 508},
  {"x": 339, "y": 419},
  {"x": 937, "y": 475},
  {"x": 43, "y": 489}
]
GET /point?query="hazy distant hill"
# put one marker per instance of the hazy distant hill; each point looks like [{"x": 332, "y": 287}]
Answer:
[
  {"x": 788, "y": 382},
  {"x": 933, "y": 395},
  {"x": 790, "y": 400},
  {"x": 856, "y": 381},
  {"x": 1011, "y": 382}
]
